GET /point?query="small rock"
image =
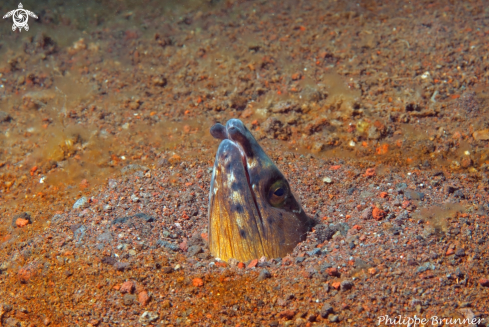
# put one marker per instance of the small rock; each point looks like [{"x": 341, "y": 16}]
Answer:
[
  {"x": 264, "y": 274},
  {"x": 372, "y": 271},
  {"x": 12, "y": 322},
  {"x": 312, "y": 317},
  {"x": 327, "y": 180},
  {"x": 346, "y": 285},
  {"x": 324, "y": 232},
  {"x": 334, "y": 318},
  {"x": 252, "y": 264},
  {"x": 482, "y": 135},
  {"x": 183, "y": 245},
  {"x": 167, "y": 269},
  {"x": 148, "y": 317},
  {"x": 127, "y": 287},
  {"x": 129, "y": 299},
  {"x": 378, "y": 214},
  {"x": 299, "y": 259},
  {"x": 144, "y": 298},
  {"x": 351, "y": 190},
  {"x": 425, "y": 267},
  {"x": 484, "y": 282},
  {"x": 367, "y": 213},
  {"x": 413, "y": 195},
  {"x": 459, "y": 194},
  {"x": 20, "y": 219},
  {"x": 159, "y": 81},
  {"x": 450, "y": 189},
  {"x": 4, "y": 117},
  {"x": 3, "y": 266},
  {"x": 105, "y": 237},
  {"x": 336, "y": 285},
  {"x": 401, "y": 186},
  {"x": 314, "y": 252},
  {"x": 80, "y": 203},
  {"x": 109, "y": 260},
  {"x": 168, "y": 245},
  {"x": 20, "y": 222},
  {"x": 197, "y": 282},
  {"x": 326, "y": 310},
  {"x": 194, "y": 250},
  {"x": 460, "y": 252},
  {"x": 287, "y": 314},
  {"x": 121, "y": 266},
  {"x": 166, "y": 304}
]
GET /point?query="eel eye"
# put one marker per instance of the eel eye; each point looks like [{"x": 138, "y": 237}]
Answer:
[{"x": 277, "y": 193}]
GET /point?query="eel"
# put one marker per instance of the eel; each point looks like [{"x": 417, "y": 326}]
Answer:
[{"x": 252, "y": 210}]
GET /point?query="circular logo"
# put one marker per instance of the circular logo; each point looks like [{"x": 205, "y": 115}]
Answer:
[{"x": 20, "y": 17}]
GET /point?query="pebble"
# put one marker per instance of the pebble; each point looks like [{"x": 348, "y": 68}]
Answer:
[
  {"x": 264, "y": 274},
  {"x": 327, "y": 180},
  {"x": 314, "y": 252},
  {"x": 484, "y": 282},
  {"x": 460, "y": 252},
  {"x": 4, "y": 117},
  {"x": 166, "y": 304},
  {"x": 168, "y": 245},
  {"x": 425, "y": 267},
  {"x": 482, "y": 135},
  {"x": 333, "y": 272},
  {"x": 413, "y": 195},
  {"x": 351, "y": 190},
  {"x": 346, "y": 285},
  {"x": 287, "y": 314},
  {"x": 197, "y": 282},
  {"x": 252, "y": 264},
  {"x": 334, "y": 318},
  {"x": 128, "y": 299},
  {"x": 326, "y": 309},
  {"x": 325, "y": 232},
  {"x": 127, "y": 287},
  {"x": 121, "y": 266},
  {"x": 194, "y": 250},
  {"x": 144, "y": 297},
  {"x": 401, "y": 186},
  {"x": 378, "y": 214},
  {"x": 148, "y": 317},
  {"x": 299, "y": 260},
  {"x": 367, "y": 213},
  {"x": 459, "y": 194},
  {"x": 21, "y": 220},
  {"x": 80, "y": 203}
]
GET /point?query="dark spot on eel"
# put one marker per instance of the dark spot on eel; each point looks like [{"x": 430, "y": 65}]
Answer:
[
  {"x": 236, "y": 186},
  {"x": 238, "y": 208}
]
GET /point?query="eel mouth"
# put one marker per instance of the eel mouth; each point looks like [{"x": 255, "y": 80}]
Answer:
[{"x": 235, "y": 133}]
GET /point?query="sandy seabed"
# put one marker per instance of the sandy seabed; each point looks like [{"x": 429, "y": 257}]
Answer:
[{"x": 375, "y": 112}]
